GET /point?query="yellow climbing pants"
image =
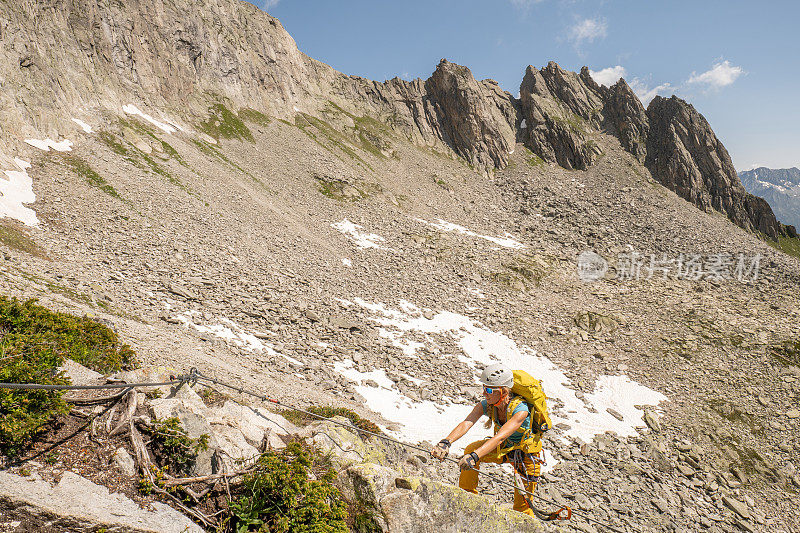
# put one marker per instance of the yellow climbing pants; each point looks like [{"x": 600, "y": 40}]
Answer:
[{"x": 468, "y": 480}]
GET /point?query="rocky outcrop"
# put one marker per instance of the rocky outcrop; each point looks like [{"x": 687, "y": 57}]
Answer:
[
  {"x": 59, "y": 57},
  {"x": 475, "y": 119},
  {"x": 380, "y": 476},
  {"x": 419, "y": 505},
  {"x": 626, "y": 115},
  {"x": 684, "y": 155},
  {"x": 77, "y": 504},
  {"x": 551, "y": 128}
]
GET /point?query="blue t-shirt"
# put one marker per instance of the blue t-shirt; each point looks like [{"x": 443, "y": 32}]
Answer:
[{"x": 516, "y": 437}]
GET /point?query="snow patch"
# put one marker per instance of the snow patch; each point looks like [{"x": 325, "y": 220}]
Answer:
[
  {"x": 15, "y": 191},
  {"x": 346, "y": 262},
  {"x": 47, "y": 144},
  {"x": 507, "y": 241},
  {"x": 84, "y": 126},
  {"x": 232, "y": 334},
  {"x": 133, "y": 110},
  {"x": 481, "y": 346},
  {"x": 361, "y": 239}
]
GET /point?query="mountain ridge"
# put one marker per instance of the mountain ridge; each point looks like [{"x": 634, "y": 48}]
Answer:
[
  {"x": 179, "y": 61},
  {"x": 779, "y": 187},
  {"x": 338, "y": 249}
]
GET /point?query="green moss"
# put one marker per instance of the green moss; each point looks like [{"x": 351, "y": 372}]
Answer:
[
  {"x": 13, "y": 236},
  {"x": 787, "y": 245},
  {"x": 222, "y": 123},
  {"x": 35, "y": 342},
  {"x": 328, "y": 412},
  {"x": 213, "y": 151},
  {"x": 523, "y": 272},
  {"x": 136, "y": 124},
  {"x": 82, "y": 168},
  {"x": 111, "y": 141},
  {"x": 254, "y": 117},
  {"x": 363, "y": 520},
  {"x": 535, "y": 161},
  {"x": 332, "y": 136},
  {"x": 161, "y": 171},
  {"x": 571, "y": 120}
]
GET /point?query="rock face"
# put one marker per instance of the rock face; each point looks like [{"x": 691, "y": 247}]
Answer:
[
  {"x": 684, "y": 155},
  {"x": 474, "y": 118},
  {"x": 380, "y": 477},
  {"x": 556, "y": 131},
  {"x": 419, "y": 505},
  {"x": 98, "y": 55},
  {"x": 77, "y": 504},
  {"x": 626, "y": 114}
]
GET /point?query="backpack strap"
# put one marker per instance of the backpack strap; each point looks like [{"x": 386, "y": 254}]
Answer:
[{"x": 526, "y": 434}]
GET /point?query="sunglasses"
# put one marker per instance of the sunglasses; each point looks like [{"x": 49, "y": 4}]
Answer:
[{"x": 489, "y": 390}]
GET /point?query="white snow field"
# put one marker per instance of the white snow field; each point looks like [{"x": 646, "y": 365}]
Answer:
[
  {"x": 506, "y": 241},
  {"x": 46, "y": 144},
  {"x": 432, "y": 420},
  {"x": 359, "y": 238},
  {"x": 164, "y": 126},
  {"x": 16, "y": 191},
  {"x": 84, "y": 126}
]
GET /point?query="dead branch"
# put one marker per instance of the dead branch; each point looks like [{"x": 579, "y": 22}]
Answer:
[
  {"x": 188, "y": 480},
  {"x": 127, "y": 412}
]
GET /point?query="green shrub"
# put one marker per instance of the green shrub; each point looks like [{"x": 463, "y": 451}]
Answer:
[
  {"x": 279, "y": 495},
  {"x": 329, "y": 412},
  {"x": 173, "y": 447},
  {"x": 34, "y": 342}
]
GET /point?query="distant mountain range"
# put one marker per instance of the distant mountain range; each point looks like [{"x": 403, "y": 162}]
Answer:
[{"x": 779, "y": 187}]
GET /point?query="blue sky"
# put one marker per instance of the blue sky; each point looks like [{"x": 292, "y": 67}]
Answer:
[{"x": 735, "y": 61}]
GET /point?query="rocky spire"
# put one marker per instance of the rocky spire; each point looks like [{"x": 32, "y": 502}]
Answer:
[
  {"x": 684, "y": 155},
  {"x": 475, "y": 119},
  {"x": 553, "y": 132}
]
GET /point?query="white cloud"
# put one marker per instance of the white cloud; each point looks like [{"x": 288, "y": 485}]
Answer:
[
  {"x": 608, "y": 76},
  {"x": 587, "y": 30},
  {"x": 647, "y": 93},
  {"x": 720, "y": 75}
]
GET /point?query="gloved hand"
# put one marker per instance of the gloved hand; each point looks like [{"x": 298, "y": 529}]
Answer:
[
  {"x": 468, "y": 462},
  {"x": 440, "y": 450}
]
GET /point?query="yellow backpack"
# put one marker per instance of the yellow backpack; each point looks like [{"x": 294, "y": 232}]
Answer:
[{"x": 528, "y": 389}]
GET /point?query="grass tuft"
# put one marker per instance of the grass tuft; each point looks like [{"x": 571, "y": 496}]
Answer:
[
  {"x": 13, "y": 236},
  {"x": 223, "y": 123},
  {"x": 82, "y": 168}
]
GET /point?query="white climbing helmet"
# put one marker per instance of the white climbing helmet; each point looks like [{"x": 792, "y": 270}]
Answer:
[{"x": 498, "y": 375}]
